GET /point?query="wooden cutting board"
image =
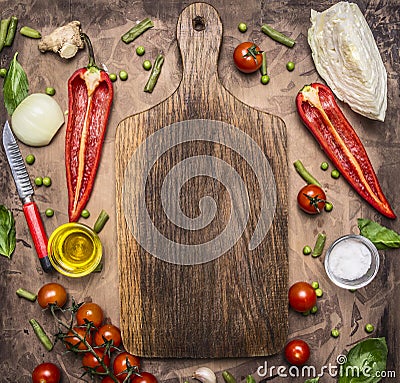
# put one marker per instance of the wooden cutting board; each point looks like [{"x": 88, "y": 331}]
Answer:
[{"x": 202, "y": 215}]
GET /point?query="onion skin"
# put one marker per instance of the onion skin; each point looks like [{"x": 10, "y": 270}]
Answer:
[{"x": 37, "y": 119}]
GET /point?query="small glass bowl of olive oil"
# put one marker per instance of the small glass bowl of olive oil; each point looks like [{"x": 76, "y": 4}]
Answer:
[{"x": 74, "y": 249}]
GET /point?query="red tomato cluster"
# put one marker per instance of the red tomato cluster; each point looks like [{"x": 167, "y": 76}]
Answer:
[{"x": 90, "y": 329}]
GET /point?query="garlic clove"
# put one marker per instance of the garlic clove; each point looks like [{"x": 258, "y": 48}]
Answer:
[{"x": 205, "y": 375}]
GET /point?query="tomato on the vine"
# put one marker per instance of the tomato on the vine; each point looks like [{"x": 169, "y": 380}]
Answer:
[
  {"x": 144, "y": 377},
  {"x": 90, "y": 361},
  {"x": 90, "y": 312},
  {"x": 72, "y": 340},
  {"x": 247, "y": 57},
  {"x": 121, "y": 362},
  {"x": 46, "y": 373},
  {"x": 297, "y": 352},
  {"x": 311, "y": 199},
  {"x": 302, "y": 297},
  {"x": 52, "y": 293},
  {"x": 108, "y": 332}
]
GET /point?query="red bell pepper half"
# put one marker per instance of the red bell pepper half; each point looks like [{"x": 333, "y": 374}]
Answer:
[
  {"x": 90, "y": 95},
  {"x": 322, "y": 116}
]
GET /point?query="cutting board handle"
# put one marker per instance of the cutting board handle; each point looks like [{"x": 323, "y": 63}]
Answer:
[{"x": 199, "y": 35}]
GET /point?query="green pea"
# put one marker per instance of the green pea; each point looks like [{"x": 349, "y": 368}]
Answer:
[
  {"x": 328, "y": 207},
  {"x": 265, "y": 79},
  {"x": 113, "y": 77},
  {"x": 307, "y": 250},
  {"x": 3, "y": 72},
  {"x": 315, "y": 285},
  {"x": 290, "y": 66},
  {"x": 47, "y": 181},
  {"x": 306, "y": 313},
  {"x": 242, "y": 27},
  {"x": 335, "y": 332},
  {"x": 85, "y": 213},
  {"x": 30, "y": 159},
  {"x": 147, "y": 64},
  {"x": 335, "y": 173},
  {"x": 50, "y": 91},
  {"x": 123, "y": 75},
  {"x": 38, "y": 181},
  {"x": 140, "y": 51},
  {"x": 324, "y": 166},
  {"x": 49, "y": 212},
  {"x": 369, "y": 328},
  {"x": 319, "y": 293},
  {"x": 314, "y": 310},
  {"x": 352, "y": 290}
]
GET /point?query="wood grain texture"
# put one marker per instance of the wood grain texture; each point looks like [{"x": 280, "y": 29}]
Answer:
[
  {"x": 232, "y": 306},
  {"x": 105, "y": 22}
]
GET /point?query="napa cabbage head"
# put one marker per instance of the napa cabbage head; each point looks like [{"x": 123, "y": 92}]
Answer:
[{"x": 347, "y": 58}]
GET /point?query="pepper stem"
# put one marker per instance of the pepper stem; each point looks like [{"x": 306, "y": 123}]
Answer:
[{"x": 92, "y": 62}]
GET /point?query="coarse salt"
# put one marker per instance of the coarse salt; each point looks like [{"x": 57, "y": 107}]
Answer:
[{"x": 350, "y": 259}]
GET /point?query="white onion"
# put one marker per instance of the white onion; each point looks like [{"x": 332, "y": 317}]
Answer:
[{"x": 37, "y": 119}]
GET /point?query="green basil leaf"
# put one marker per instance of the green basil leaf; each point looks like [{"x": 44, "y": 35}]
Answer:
[
  {"x": 15, "y": 86},
  {"x": 365, "y": 362},
  {"x": 7, "y": 232},
  {"x": 382, "y": 237}
]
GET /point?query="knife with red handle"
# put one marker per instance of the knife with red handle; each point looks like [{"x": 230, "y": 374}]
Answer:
[{"x": 25, "y": 192}]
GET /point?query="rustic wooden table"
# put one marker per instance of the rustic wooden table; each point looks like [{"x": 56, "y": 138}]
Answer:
[{"x": 105, "y": 22}]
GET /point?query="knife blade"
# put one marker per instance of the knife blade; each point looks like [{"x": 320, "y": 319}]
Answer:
[{"x": 25, "y": 192}]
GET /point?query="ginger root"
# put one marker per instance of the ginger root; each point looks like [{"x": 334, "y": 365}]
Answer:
[{"x": 65, "y": 40}]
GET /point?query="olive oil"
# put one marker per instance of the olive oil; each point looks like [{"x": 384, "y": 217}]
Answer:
[{"x": 74, "y": 249}]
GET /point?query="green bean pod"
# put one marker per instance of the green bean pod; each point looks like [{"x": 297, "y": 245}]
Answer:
[
  {"x": 12, "y": 29},
  {"x": 228, "y": 377},
  {"x": 277, "y": 36},
  {"x": 250, "y": 379},
  {"x": 264, "y": 64},
  {"x": 40, "y": 333},
  {"x": 4, "y": 23},
  {"x": 22, "y": 293},
  {"x": 30, "y": 32},
  {"x": 155, "y": 73},
  {"x": 100, "y": 221},
  {"x": 137, "y": 30},
  {"x": 319, "y": 245},
  {"x": 305, "y": 174}
]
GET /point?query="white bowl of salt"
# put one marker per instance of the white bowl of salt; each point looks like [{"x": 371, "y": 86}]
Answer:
[{"x": 352, "y": 261}]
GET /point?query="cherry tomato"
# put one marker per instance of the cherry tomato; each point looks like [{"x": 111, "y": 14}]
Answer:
[
  {"x": 46, "y": 373},
  {"x": 107, "y": 379},
  {"x": 247, "y": 57},
  {"x": 120, "y": 364},
  {"x": 311, "y": 199},
  {"x": 92, "y": 312},
  {"x": 52, "y": 293},
  {"x": 90, "y": 361},
  {"x": 73, "y": 340},
  {"x": 108, "y": 332},
  {"x": 302, "y": 297},
  {"x": 145, "y": 377},
  {"x": 297, "y": 352}
]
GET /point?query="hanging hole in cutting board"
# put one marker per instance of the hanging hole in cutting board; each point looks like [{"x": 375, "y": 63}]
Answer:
[
  {"x": 199, "y": 23},
  {"x": 189, "y": 164}
]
